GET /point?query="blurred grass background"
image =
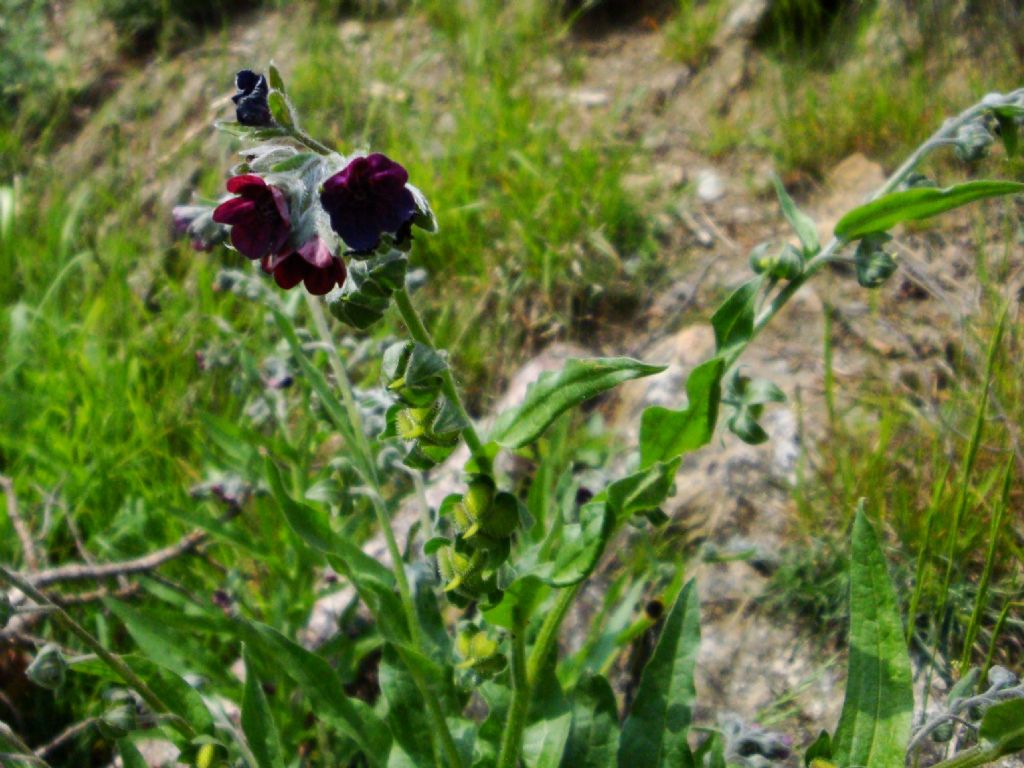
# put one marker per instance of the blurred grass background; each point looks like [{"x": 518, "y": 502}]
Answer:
[{"x": 106, "y": 419}]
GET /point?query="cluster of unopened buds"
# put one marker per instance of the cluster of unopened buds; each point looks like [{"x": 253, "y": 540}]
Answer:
[{"x": 299, "y": 209}]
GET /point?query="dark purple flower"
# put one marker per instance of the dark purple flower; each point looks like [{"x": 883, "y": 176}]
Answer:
[
  {"x": 313, "y": 264},
  {"x": 251, "y": 106},
  {"x": 259, "y": 218},
  {"x": 368, "y": 198}
]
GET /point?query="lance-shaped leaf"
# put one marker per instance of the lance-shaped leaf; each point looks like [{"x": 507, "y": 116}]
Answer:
[
  {"x": 323, "y": 688},
  {"x": 915, "y": 204},
  {"x": 258, "y": 722},
  {"x": 874, "y": 726},
  {"x": 580, "y": 546},
  {"x": 642, "y": 491},
  {"x": 555, "y": 393},
  {"x": 654, "y": 734},
  {"x": 666, "y": 434},
  {"x": 734, "y": 320}
]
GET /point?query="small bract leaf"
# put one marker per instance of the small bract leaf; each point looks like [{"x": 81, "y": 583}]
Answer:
[
  {"x": 281, "y": 109},
  {"x": 800, "y": 221},
  {"x": 915, "y": 204},
  {"x": 274, "y": 78}
]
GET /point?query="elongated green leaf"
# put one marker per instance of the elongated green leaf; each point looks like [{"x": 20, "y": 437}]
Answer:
[
  {"x": 875, "y": 722},
  {"x": 800, "y": 221},
  {"x": 666, "y": 434},
  {"x": 274, "y": 78},
  {"x": 258, "y": 722},
  {"x": 734, "y": 320},
  {"x": 323, "y": 688},
  {"x": 130, "y": 756},
  {"x": 544, "y": 740},
  {"x": 594, "y": 736},
  {"x": 654, "y": 734},
  {"x": 1003, "y": 725},
  {"x": 373, "y": 582},
  {"x": 553, "y": 394},
  {"x": 914, "y": 204}
]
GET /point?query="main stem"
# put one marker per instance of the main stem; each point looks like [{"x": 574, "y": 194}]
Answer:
[
  {"x": 512, "y": 736},
  {"x": 114, "y": 662},
  {"x": 548, "y": 634},
  {"x": 420, "y": 333},
  {"x": 397, "y": 563}
]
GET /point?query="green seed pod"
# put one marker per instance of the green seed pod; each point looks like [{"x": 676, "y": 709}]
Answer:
[
  {"x": 412, "y": 423},
  {"x": 479, "y": 496},
  {"x": 501, "y": 519},
  {"x": 118, "y": 721},
  {"x": 457, "y": 569},
  {"x": 48, "y": 669},
  {"x": 874, "y": 265},
  {"x": 942, "y": 734},
  {"x": 463, "y": 522}
]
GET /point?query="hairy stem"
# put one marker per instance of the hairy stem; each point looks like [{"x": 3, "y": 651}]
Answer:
[
  {"x": 114, "y": 662},
  {"x": 512, "y": 736},
  {"x": 440, "y": 729},
  {"x": 420, "y": 333},
  {"x": 548, "y": 635},
  {"x": 970, "y": 758}
]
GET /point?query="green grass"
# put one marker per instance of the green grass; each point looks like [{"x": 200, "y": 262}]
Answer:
[{"x": 690, "y": 33}]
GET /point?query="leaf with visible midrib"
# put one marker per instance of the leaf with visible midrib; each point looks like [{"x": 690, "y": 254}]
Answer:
[
  {"x": 654, "y": 734},
  {"x": 914, "y": 204},
  {"x": 594, "y": 735},
  {"x": 874, "y": 726},
  {"x": 1003, "y": 725},
  {"x": 553, "y": 394}
]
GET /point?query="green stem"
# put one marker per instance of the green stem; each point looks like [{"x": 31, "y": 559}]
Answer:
[
  {"x": 304, "y": 138},
  {"x": 548, "y": 635},
  {"x": 114, "y": 662},
  {"x": 970, "y": 758},
  {"x": 939, "y": 139},
  {"x": 380, "y": 511},
  {"x": 512, "y": 736},
  {"x": 420, "y": 333}
]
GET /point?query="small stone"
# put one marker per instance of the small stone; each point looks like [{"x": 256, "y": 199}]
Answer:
[
  {"x": 589, "y": 98},
  {"x": 710, "y": 186}
]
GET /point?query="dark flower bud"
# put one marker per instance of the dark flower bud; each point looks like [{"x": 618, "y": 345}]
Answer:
[
  {"x": 259, "y": 218},
  {"x": 6, "y": 609},
  {"x": 251, "y": 106},
  {"x": 313, "y": 264},
  {"x": 942, "y": 734},
  {"x": 972, "y": 142},
  {"x": 48, "y": 668},
  {"x": 874, "y": 265},
  {"x": 369, "y": 198}
]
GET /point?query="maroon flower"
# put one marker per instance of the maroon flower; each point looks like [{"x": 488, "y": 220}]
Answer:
[
  {"x": 367, "y": 198},
  {"x": 313, "y": 264},
  {"x": 259, "y": 218}
]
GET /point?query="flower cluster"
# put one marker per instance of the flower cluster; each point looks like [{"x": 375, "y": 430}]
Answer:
[{"x": 298, "y": 213}]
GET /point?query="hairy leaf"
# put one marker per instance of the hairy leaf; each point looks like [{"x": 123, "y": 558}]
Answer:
[
  {"x": 734, "y": 320},
  {"x": 666, "y": 434},
  {"x": 875, "y": 722},
  {"x": 594, "y": 736},
  {"x": 654, "y": 734},
  {"x": 130, "y": 755},
  {"x": 555, "y": 393},
  {"x": 641, "y": 491},
  {"x": 1003, "y": 725},
  {"x": 914, "y": 204},
  {"x": 580, "y": 546}
]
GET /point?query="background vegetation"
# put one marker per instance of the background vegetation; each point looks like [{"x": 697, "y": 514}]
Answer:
[{"x": 128, "y": 380}]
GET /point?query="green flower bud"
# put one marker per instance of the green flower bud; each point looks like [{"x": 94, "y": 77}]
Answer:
[
  {"x": 785, "y": 263},
  {"x": 48, "y": 668},
  {"x": 118, "y": 721}
]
